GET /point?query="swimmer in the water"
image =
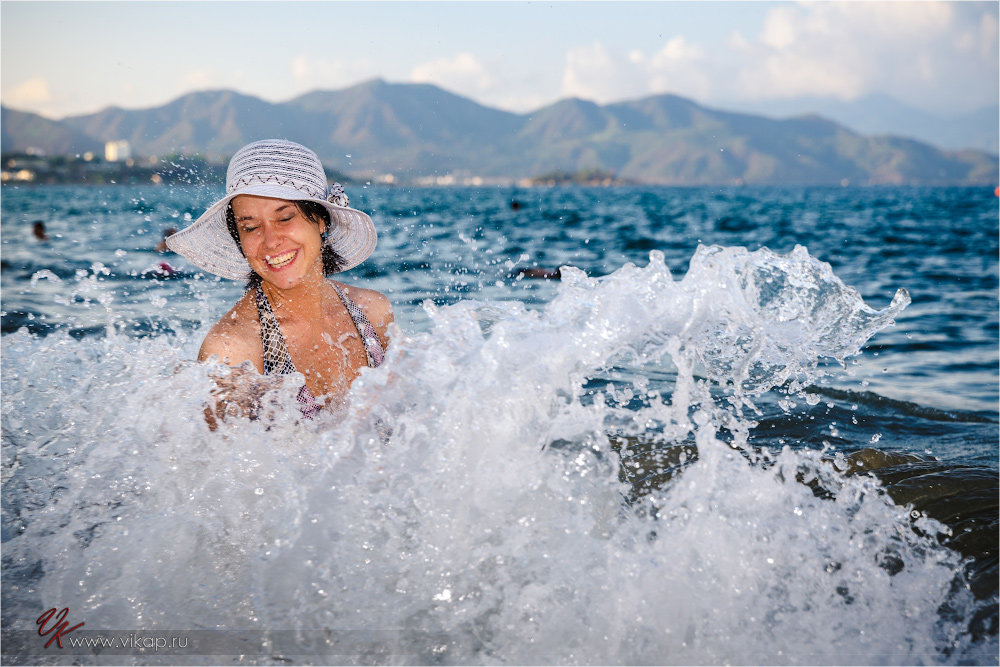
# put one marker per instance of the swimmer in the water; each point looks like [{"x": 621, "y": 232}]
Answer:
[
  {"x": 38, "y": 229},
  {"x": 545, "y": 274},
  {"x": 162, "y": 245}
]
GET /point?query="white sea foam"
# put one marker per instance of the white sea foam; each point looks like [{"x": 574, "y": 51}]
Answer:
[{"x": 468, "y": 507}]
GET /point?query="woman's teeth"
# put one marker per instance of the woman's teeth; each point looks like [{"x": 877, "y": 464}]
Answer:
[{"x": 278, "y": 261}]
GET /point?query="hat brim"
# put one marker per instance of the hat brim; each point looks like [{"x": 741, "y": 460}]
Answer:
[{"x": 206, "y": 243}]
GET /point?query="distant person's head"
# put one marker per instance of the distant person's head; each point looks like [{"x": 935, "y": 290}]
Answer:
[
  {"x": 162, "y": 245},
  {"x": 38, "y": 229}
]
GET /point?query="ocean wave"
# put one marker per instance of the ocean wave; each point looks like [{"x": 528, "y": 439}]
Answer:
[{"x": 481, "y": 499}]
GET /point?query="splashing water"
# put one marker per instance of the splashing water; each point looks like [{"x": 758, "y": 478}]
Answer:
[{"x": 469, "y": 507}]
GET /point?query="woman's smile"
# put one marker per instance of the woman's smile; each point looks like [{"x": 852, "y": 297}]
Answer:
[{"x": 278, "y": 262}]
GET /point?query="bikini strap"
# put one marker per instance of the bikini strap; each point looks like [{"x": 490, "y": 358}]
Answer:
[
  {"x": 277, "y": 361},
  {"x": 373, "y": 346}
]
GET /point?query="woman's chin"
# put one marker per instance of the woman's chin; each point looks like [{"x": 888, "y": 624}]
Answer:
[
  {"x": 289, "y": 279},
  {"x": 282, "y": 281}
]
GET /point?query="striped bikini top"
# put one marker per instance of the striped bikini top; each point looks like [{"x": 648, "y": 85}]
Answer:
[{"x": 277, "y": 361}]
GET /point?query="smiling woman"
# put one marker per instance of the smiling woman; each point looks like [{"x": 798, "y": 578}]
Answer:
[{"x": 283, "y": 229}]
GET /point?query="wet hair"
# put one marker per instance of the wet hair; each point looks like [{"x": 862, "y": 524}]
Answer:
[{"x": 311, "y": 211}]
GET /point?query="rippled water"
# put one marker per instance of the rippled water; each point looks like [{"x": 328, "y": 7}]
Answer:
[{"x": 685, "y": 451}]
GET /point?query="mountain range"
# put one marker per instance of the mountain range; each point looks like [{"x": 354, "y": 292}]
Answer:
[
  {"x": 883, "y": 114},
  {"x": 420, "y": 130}
]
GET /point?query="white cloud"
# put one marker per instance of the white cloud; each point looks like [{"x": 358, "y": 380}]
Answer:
[
  {"x": 319, "y": 72},
  {"x": 929, "y": 54},
  {"x": 587, "y": 72},
  {"x": 682, "y": 68},
  {"x": 987, "y": 47},
  {"x": 198, "y": 79},
  {"x": 310, "y": 73},
  {"x": 488, "y": 81},
  {"x": 677, "y": 51},
  {"x": 463, "y": 73},
  {"x": 32, "y": 93},
  {"x": 300, "y": 68},
  {"x": 914, "y": 51},
  {"x": 594, "y": 73},
  {"x": 779, "y": 29}
]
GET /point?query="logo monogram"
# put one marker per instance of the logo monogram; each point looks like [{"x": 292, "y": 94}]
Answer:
[{"x": 59, "y": 627}]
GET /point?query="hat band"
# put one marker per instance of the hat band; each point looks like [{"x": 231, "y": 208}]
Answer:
[{"x": 246, "y": 181}]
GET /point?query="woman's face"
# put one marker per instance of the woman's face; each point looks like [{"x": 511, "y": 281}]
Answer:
[{"x": 280, "y": 243}]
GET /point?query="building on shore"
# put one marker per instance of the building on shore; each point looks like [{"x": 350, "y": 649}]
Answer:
[{"x": 117, "y": 151}]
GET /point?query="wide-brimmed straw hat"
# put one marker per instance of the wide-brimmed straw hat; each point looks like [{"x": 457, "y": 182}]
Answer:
[{"x": 282, "y": 170}]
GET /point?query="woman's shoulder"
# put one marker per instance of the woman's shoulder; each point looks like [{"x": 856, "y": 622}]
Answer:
[
  {"x": 376, "y": 307},
  {"x": 235, "y": 338},
  {"x": 375, "y": 304}
]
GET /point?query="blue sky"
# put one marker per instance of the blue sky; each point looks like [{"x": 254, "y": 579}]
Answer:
[{"x": 66, "y": 58}]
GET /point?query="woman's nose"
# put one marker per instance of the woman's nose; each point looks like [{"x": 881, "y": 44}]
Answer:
[{"x": 271, "y": 236}]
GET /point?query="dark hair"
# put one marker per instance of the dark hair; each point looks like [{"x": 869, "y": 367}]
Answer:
[{"x": 313, "y": 212}]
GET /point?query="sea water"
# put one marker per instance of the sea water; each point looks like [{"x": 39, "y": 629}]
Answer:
[{"x": 744, "y": 426}]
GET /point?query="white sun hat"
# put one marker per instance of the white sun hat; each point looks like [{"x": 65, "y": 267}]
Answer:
[{"x": 282, "y": 170}]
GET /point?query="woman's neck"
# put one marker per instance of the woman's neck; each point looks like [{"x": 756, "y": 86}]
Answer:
[{"x": 305, "y": 301}]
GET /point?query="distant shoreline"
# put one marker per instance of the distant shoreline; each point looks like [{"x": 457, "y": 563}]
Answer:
[
  {"x": 543, "y": 186},
  {"x": 36, "y": 170},
  {"x": 514, "y": 186}
]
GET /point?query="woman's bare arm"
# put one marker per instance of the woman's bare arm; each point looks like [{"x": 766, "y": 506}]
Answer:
[
  {"x": 237, "y": 393},
  {"x": 236, "y": 343}
]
